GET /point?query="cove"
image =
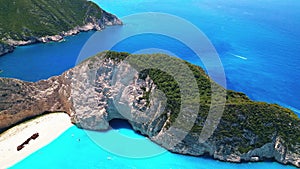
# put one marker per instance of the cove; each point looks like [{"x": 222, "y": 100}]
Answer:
[
  {"x": 258, "y": 46},
  {"x": 75, "y": 149}
]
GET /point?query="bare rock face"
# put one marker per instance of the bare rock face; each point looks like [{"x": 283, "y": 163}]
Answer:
[
  {"x": 21, "y": 101},
  {"x": 108, "y": 19},
  {"x": 4, "y": 49},
  {"x": 101, "y": 89}
]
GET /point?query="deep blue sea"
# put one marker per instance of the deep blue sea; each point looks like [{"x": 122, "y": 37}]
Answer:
[{"x": 257, "y": 41}]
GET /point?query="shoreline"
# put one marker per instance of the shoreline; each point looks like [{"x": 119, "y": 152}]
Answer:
[
  {"x": 11, "y": 44},
  {"x": 97, "y": 24},
  {"x": 10, "y": 139}
]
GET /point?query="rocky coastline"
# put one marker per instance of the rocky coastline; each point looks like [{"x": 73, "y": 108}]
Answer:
[
  {"x": 5, "y": 48},
  {"x": 99, "y": 90},
  {"x": 95, "y": 24}
]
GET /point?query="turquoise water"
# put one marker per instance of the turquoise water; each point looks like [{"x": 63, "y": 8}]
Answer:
[
  {"x": 258, "y": 43},
  {"x": 68, "y": 152}
]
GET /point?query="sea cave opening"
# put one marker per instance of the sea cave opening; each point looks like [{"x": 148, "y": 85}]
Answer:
[
  {"x": 120, "y": 124},
  {"x": 124, "y": 127}
]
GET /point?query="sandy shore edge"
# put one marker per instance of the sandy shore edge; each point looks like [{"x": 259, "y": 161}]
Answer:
[{"x": 48, "y": 126}]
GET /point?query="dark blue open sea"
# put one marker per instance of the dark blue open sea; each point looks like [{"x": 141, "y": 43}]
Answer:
[{"x": 258, "y": 42}]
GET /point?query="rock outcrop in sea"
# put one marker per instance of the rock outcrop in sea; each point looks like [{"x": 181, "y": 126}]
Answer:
[{"x": 104, "y": 88}]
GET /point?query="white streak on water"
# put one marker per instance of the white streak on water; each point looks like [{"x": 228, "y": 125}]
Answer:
[{"x": 239, "y": 56}]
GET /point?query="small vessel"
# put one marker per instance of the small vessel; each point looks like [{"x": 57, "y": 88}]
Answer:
[
  {"x": 34, "y": 136},
  {"x": 20, "y": 147}
]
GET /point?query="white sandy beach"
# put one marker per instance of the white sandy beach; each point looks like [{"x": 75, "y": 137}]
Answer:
[{"x": 49, "y": 127}]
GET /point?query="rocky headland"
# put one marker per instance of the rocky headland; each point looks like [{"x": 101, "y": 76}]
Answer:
[
  {"x": 38, "y": 30},
  {"x": 105, "y": 87}
]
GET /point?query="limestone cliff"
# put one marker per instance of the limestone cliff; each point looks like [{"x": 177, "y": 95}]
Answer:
[{"x": 103, "y": 88}]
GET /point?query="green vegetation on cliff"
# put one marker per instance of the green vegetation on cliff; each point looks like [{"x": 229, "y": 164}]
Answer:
[
  {"x": 245, "y": 124},
  {"x": 24, "y": 19}
]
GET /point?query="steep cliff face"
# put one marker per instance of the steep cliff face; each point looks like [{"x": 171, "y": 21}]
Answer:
[
  {"x": 31, "y": 21},
  {"x": 21, "y": 101},
  {"x": 104, "y": 88}
]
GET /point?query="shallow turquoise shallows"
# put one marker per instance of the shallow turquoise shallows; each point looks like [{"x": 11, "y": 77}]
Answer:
[
  {"x": 258, "y": 43},
  {"x": 74, "y": 149}
]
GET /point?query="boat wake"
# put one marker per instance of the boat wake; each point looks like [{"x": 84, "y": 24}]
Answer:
[{"x": 239, "y": 56}]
